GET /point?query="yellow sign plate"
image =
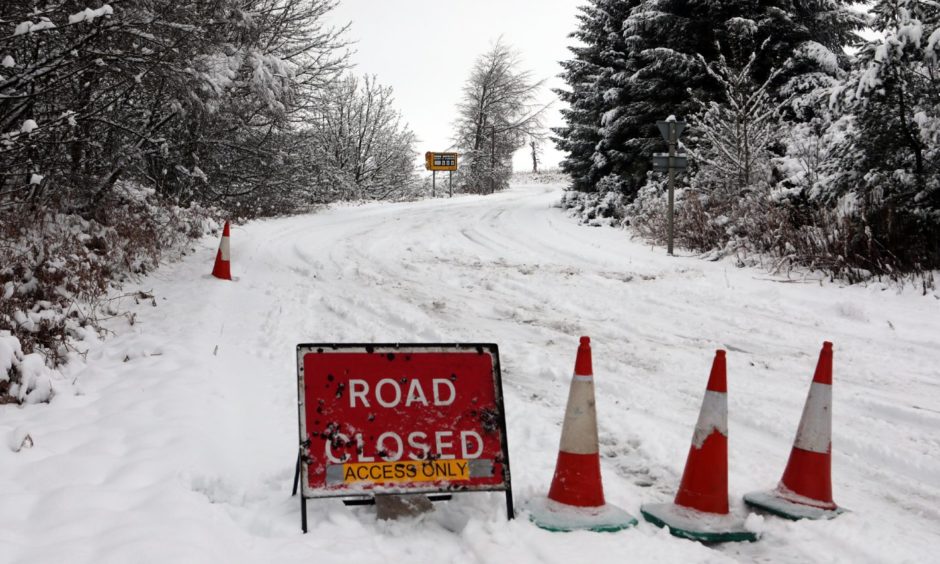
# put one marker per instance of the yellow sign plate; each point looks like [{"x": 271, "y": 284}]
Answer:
[
  {"x": 407, "y": 471},
  {"x": 440, "y": 161}
]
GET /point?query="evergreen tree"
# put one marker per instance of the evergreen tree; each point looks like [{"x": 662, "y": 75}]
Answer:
[
  {"x": 589, "y": 75},
  {"x": 661, "y": 41},
  {"x": 654, "y": 70},
  {"x": 891, "y": 171}
]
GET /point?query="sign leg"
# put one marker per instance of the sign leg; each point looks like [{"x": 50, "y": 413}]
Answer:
[
  {"x": 510, "y": 512},
  {"x": 672, "y": 184},
  {"x": 450, "y": 184},
  {"x": 303, "y": 513},
  {"x": 296, "y": 476},
  {"x": 433, "y": 182}
]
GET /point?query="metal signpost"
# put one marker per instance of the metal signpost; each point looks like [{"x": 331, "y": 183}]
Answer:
[
  {"x": 671, "y": 130},
  {"x": 397, "y": 419},
  {"x": 441, "y": 161}
]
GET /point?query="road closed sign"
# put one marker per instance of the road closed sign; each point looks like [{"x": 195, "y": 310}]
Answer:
[{"x": 401, "y": 419}]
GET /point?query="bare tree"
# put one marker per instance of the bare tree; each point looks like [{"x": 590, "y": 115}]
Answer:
[
  {"x": 499, "y": 111},
  {"x": 535, "y": 145},
  {"x": 190, "y": 98},
  {"x": 359, "y": 141}
]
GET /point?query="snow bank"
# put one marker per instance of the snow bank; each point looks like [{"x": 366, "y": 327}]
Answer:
[
  {"x": 90, "y": 14},
  {"x": 28, "y": 377},
  {"x": 10, "y": 352}
]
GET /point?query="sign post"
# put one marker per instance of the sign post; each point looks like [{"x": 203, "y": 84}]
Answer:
[
  {"x": 671, "y": 129},
  {"x": 400, "y": 419},
  {"x": 441, "y": 161}
]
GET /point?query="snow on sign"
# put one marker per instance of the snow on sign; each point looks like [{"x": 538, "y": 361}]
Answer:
[{"x": 393, "y": 419}]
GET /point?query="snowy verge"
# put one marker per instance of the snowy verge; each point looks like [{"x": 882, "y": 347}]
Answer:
[
  {"x": 751, "y": 233},
  {"x": 59, "y": 273}
]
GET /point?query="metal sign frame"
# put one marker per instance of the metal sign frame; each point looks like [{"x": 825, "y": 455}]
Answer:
[{"x": 365, "y": 496}]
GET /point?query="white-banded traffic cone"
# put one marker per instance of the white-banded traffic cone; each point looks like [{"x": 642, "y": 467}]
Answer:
[
  {"x": 805, "y": 491},
  {"x": 222, "y": 268},
  {"x": 576, "y": 498},
  {"x": 700, "y": 510}
]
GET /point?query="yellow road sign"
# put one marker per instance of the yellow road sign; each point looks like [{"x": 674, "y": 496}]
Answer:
[{"x": 440, "y": 161}]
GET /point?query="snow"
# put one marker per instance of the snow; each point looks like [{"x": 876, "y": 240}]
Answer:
[
  {"x": 778, "y": 501},
  {"x": 551, "y": 515},
  {"x": 69, "y": 116},
  {"x": 826, "y": 60},
  {"x": 35, "y": 380},
  {"x": 690, "y": 519},
  {"x": 932, "y": 44},
  {"x": 89, "y": 14},
  {"x": 28, "y": 126},
  {"x": 10, "y": 352},
  {"x": 911, "y": 33},
  {"x": 29, "y": 26},
  {"x": 8, "y": 62},
  {"x": 36, "y": 178},
  {"x": 744, "y": 27},
  {"x": 175, "y": 440},
  {"x": 18, "y": 439}
]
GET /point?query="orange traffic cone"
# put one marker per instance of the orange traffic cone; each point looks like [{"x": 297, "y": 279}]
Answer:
[
  {"x": 805, "y": 491},
  {"x": 576, "y": 497},
  {"x": 222, "y": 268},
  {"x": 700, "y": 511}
]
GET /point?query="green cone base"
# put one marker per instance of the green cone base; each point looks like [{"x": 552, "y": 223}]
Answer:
[
  {"x": 772, "y": 503},
  {"x": 561, "y": 518},
  {"x": 695, "y": 525}
]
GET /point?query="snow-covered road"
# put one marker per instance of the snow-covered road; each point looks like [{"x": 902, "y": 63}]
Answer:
[{"x": 175, "y": 441}]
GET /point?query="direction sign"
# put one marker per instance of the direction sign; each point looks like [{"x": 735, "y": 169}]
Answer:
[
  {"x": 662, "y": 162},
  {"x": 394, "y": 419},
  {"x": 671, "y": 129},
  {"x": 440, "y": 161}
]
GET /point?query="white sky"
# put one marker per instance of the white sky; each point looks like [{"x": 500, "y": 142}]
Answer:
[{"x": 424, "y": 51}]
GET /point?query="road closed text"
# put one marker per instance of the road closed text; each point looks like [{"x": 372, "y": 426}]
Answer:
[{"x": 391, "y": 446}]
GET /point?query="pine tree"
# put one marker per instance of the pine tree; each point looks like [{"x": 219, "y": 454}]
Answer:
[
  {"x": 661, "y": 55},
  {"x": 589, "y": 75},
  {"x": 653, "y": 70},
  {"x": 892, "y": 166}
]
